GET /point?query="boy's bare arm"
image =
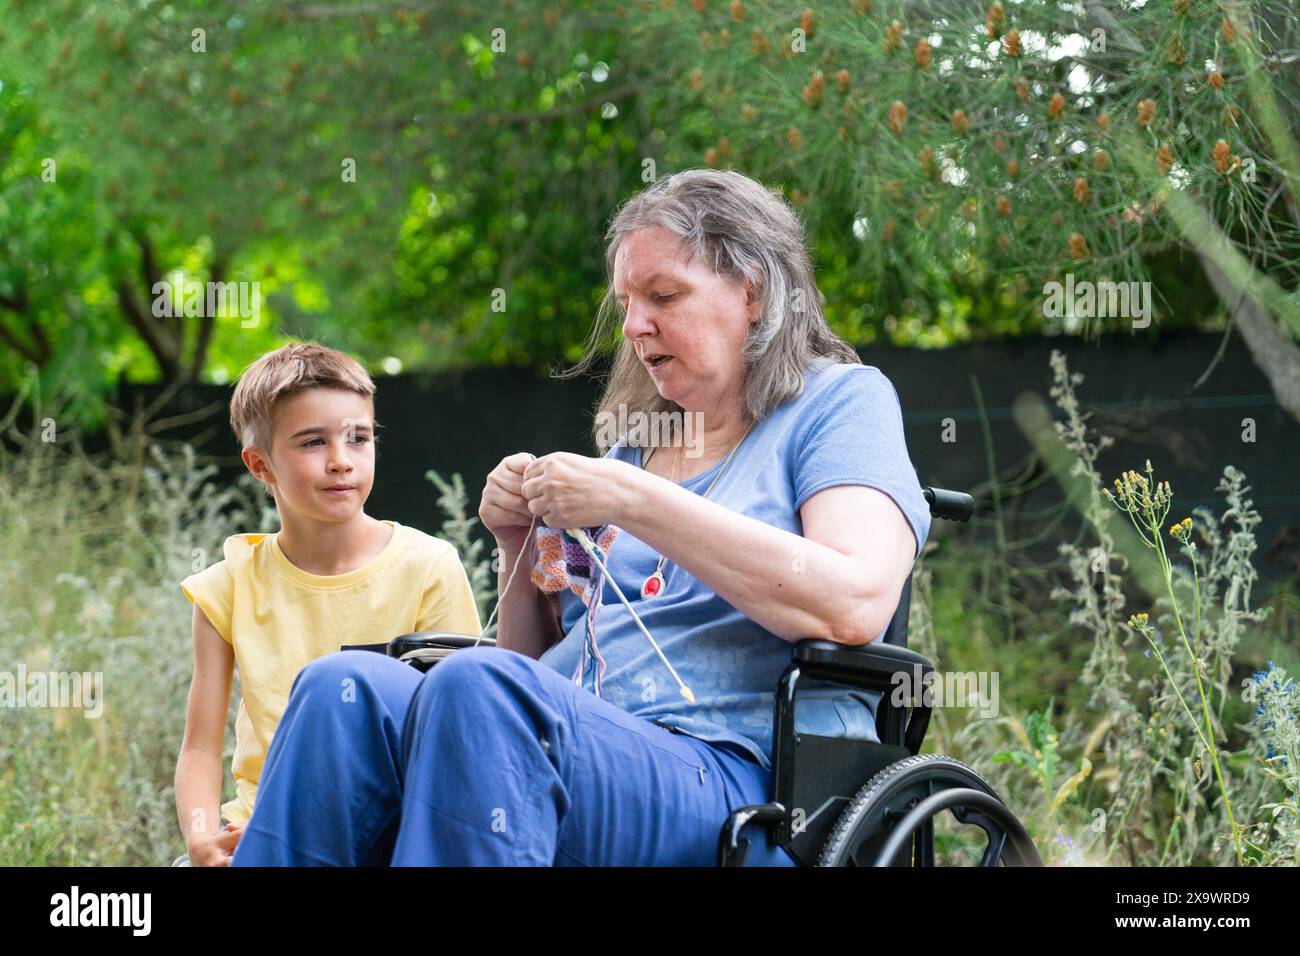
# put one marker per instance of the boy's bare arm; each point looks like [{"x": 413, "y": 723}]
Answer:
[{"x": 199, "y": 768}]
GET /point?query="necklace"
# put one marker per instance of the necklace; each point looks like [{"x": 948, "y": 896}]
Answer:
[{"x": 654, "y": 585}]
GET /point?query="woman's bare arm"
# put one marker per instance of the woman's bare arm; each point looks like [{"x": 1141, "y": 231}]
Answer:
[
  {"x": 839, "y": 581},
  {"x": 525, "y": 622}
]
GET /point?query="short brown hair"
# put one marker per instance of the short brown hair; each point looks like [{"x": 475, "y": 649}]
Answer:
[{"x": 286, "y": 371}]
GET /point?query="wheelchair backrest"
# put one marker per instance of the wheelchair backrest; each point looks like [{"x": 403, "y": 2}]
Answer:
[{"x": 953, "y": 505}]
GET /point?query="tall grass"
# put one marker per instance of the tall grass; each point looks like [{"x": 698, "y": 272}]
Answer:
[
  {"x": 1159, "y": 748},
  {"x": 92, "y": 548},
  {"x": 1092, "y": 748}
]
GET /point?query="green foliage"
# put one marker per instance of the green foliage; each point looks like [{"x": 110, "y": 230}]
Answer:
[
  {"x": 1038, "y": 753},
  {"x": 92, "y": 549},
  {"x": 487, "y": 165},
  {"x": 458, "y": 529},
  {"x": 976, "y": 151}
]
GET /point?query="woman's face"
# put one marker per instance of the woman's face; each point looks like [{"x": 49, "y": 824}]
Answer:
[{"x": 688, "y": 313}]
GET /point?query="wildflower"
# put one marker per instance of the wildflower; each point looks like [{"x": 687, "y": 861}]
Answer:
[
  {"x": 1175, "y": 52},
  {"x": 1221, "y": 155},
  {"x": 1081, "y": 192},
  {"x": 794, "y": 137},
  {"x": 1078, "y": 247},
  {"x": 1146, "y": 112},
  {"x": 1215, "y": 79},
  {"x": 960, "y": 121},
  {"x": 922, "y": 53},
  {"x": 1013, "y": 168},
  {"x": 842, "y": 80},
  {"x": 926, "y": 158},
  {"x": 1022, "y": 89},
  {"x": 813, "y": 92},
  {"x": 897, "y": 115},
  {"x": 1229, "y": 31},
  {"x": 1164, "y": 160},
  {"x": 1103, "y": 123},
  {"x": 997, "y": 18},
  {"x": 737, "y": 10},
  {"x": 893, "y": 36},
  {"x": 1004, "y": 206},
  {"x": 1055, "y": 106},
  {"x": 808, "y": 23},
  {"x": 1011, "y": 43}
]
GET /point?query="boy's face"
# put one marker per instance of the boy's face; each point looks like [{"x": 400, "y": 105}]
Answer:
[{"x": 322, "y": 456}]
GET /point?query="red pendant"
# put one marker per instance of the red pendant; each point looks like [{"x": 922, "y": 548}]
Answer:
[{"x": 653, "y": 585}]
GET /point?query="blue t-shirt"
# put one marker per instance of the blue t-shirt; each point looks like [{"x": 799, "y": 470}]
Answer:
[{"x": 845, "y": 428}]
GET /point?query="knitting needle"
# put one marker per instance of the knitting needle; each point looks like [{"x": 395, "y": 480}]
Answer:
[{"x": 582, "y": 539}]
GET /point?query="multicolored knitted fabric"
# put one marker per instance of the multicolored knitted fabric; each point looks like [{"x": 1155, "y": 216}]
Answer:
[{"x": 561, "y": 563}]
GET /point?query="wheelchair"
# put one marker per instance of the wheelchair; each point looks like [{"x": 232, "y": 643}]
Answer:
[{"x": 838, "y": 801}]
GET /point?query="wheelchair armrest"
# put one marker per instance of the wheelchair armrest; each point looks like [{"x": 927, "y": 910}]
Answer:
[
  {"x": 874, "y": 667},
  {"x": 868, "y": 666}
]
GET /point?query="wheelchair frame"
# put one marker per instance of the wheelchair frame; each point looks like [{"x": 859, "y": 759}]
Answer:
[
  {"x": 812, "y": 774},
  {"x": 886, "y": 793}
]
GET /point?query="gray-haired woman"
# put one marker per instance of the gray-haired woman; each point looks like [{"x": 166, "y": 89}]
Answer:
[{"x": 795, "y": 512}]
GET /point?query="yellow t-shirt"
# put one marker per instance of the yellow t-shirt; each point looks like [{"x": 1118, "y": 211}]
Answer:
[{"x": 279, "y": 618}]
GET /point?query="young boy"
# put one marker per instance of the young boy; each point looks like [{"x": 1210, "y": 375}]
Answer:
[{"x": 331, "y": 575}]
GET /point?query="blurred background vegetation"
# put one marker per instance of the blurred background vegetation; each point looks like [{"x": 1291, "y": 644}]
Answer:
[{"x": 382, "y": 168}]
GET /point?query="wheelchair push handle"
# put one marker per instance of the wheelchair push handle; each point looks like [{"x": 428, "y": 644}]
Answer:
[
  {"x": 423, "y": 649},
  {"x": 952, "y": 505}
]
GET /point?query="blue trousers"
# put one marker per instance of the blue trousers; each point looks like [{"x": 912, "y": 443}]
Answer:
[{"x": 490, "y": 758}]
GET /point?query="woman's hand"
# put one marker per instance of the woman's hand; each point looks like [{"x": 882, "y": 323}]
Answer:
[
  {"x": 574, "y": 491},
  {"x": 503, "y": 508}
]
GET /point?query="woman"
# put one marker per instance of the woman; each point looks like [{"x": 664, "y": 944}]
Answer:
[{"x": 795, "y": 514}]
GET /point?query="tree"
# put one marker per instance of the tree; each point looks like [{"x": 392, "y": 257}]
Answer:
[
  {"x": 396, "y": 170},
  {"x": 1006, "y": 145}
]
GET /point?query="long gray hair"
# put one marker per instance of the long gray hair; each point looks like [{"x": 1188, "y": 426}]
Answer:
[{"x": 746, "y": 231}]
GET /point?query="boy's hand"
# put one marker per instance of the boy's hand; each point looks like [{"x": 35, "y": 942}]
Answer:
[{"x": 217, "y": 850}]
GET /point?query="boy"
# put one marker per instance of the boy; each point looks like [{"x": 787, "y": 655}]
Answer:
[{"x": 331, "y": 575}]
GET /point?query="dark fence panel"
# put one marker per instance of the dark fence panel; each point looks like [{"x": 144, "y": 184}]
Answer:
[{"x": 1141, "y": 391}]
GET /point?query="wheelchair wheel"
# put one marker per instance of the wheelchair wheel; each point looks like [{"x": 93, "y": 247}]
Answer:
[{"x": 880, "y": 825}]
